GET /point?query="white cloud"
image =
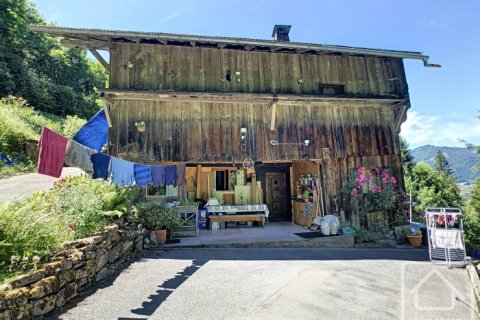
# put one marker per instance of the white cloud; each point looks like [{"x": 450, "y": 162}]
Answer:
[
  {"x": 176, "y": 13},
  {"x": 444, "y": 130}
]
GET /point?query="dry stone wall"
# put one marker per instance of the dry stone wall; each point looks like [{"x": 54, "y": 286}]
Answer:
[{"x": 77, "y": 266}]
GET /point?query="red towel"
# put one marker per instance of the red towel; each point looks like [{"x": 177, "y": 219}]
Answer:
[{"x": 52, "y": 153}]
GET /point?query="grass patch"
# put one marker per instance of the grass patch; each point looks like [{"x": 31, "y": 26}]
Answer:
[{"x": 33, "y": 228}]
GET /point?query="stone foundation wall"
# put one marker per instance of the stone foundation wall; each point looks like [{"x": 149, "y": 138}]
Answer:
[{"x": 77, "y": 266}]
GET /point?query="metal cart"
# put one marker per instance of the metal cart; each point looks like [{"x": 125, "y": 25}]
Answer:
[{"x": 446, "y": 238}]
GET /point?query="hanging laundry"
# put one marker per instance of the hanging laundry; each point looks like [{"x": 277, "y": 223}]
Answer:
[
  {"x": 94, "y": 133},
  {"x": 79, "y": 156},
  {"x": 101, "y": 165},
  {"x": 122, "y": 172},
  {"x": 158, "y": 175},
  {"x": 143, "y": 174},
  {"x": 52, "y": 153},
  {"x": 170, "y": 175},
  {"x": 180, "y": 174}
]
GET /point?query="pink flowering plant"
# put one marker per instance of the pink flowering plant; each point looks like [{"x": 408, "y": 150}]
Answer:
[{"x": 375, "y": 190}]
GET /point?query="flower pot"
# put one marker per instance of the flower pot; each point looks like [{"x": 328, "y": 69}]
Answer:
[
  {"x": 415, "y": 241},
  {"x": 161, "y": 236}
]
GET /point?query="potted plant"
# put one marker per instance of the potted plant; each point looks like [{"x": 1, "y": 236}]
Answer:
[
  {"x": 157, "y": 217},
  {"x": 415, "y": 239}
]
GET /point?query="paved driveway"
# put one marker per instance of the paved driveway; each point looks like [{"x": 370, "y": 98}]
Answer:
[
  {"x": 290, "y": 283},
  {"x": 25, "y": 185}
]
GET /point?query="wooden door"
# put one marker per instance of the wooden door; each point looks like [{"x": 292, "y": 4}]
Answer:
[{"x": 278, "y": 196}]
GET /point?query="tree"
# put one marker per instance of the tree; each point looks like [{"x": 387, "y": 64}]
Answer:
[
  {"x": 441, "y": 164},
  {"x": 432, "y": 189},
  {"x": 472, "y": 219},
  {"x": 35, "y": 67},
  {"x": 406, "y": 155}
]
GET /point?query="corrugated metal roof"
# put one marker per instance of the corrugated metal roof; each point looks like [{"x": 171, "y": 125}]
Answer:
[{"x": 109, "y": 35}]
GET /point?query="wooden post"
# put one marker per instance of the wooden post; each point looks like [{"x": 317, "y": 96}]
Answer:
[
  {"x": 199, "y": 181},
  {"x": 254, "y": 189}
]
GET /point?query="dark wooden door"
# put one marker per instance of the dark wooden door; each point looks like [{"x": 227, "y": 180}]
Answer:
[{"x": 278, "y": 196}]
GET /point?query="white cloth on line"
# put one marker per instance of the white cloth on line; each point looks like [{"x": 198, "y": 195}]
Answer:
[{"x": 451, "y": 239}]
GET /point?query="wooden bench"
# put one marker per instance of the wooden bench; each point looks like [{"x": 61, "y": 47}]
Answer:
[{"x": 238, "y": 218}]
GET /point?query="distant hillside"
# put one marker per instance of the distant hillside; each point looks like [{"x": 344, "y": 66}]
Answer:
[{"x": 461, "y": 160}]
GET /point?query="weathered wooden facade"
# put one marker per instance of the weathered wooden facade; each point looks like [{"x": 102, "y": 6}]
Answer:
[{"x": 214, "y": 101}]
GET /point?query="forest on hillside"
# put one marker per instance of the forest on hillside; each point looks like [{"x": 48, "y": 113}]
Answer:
[{"x": 35, "y": 67}]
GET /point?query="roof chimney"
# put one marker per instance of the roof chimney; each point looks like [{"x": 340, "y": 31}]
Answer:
[{"x": 280, "y": 32}]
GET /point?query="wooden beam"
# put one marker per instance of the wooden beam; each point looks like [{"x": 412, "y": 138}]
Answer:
[
  {"x": 272, "y": 121},
  {"x": 100, "y": 59},
  {"x": 400, "y": 117},
  {"x": 77, "y": 43},
  {"x": 230, "y": 97}
]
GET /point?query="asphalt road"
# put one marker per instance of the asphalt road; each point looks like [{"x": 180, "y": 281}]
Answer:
[
  {"x": 17, "y": 187},
  {"x": 289, "y": 283}
]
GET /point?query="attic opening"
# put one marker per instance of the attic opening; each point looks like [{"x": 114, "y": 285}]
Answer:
[{"x": 331, "y": 89}]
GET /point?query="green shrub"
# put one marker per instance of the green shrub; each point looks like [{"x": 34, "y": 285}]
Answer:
[
  {"x": 33, "y": 228},
  {"x": 71, "y": 125},
  {"x": 19, "y": 122},
  {"x": 156, "y": 216},
  {"x": 472, "y": 219}
]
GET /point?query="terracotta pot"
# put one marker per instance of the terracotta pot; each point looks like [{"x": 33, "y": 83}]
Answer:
[
  {"x": 415, "y": 241},
  {"x": 161, "y": 236}
]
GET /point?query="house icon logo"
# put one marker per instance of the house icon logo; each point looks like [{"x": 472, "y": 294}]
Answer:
[{"x": 449, "y": 301}]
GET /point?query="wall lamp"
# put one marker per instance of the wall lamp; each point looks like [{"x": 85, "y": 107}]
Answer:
[{"x": 141, "y": 126}]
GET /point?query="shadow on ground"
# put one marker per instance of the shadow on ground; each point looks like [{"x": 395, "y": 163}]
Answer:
[{"x": 199, "y": 257}]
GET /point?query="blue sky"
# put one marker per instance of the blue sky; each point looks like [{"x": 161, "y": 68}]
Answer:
[{"x": 445, "y": 102}]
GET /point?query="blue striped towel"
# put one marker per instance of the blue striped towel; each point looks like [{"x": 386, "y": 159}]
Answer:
[{"x": 143, "y": 174}]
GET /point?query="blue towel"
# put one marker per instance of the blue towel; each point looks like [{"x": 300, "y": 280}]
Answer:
[
  {"x": 5, "y": 159},
  {"x": 170, "y": 175},
  {"x": 143, "y": 174},
  {"x": 101, "y": 163},
  {"x": 158, "y": 175},
  {"x": 94, "y": 133},
  {"x": 122, "y": 172}
]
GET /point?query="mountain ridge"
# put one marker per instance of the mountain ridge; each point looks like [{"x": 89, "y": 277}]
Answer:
[{"x": 461, "y": 160}]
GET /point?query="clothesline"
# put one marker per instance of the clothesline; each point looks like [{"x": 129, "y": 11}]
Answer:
[{"x": 84, "y": 152}]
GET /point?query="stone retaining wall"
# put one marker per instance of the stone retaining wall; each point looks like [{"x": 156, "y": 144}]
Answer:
[{"x": 77, "y": 266}]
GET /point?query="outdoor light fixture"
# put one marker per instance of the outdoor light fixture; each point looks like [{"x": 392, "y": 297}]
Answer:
[
  {"x": 243, "y": 131},
  {"x": 141, "y": 126},
  {"x": 276, "y": 143}
]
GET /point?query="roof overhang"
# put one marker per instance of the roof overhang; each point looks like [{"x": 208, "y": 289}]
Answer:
[{"x": 101, "y": 39}]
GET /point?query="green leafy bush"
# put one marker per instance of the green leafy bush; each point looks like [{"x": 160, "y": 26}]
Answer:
[
  {"x": 472, "y": 220},
  {"x": 71, "y": 125},
  {"x": 156, "y": 216},
  {"x": 33, "y": 228},
  {"x": 370, "y": 190}
]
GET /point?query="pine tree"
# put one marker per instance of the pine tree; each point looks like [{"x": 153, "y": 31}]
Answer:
[
  {"x": 407, "y": 158},
  {"x": 441, "y": 164}
]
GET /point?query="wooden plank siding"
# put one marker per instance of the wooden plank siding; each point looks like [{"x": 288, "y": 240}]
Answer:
[
  {"x": 210, "y": 132},
  {"x": 194, "y": 69}
]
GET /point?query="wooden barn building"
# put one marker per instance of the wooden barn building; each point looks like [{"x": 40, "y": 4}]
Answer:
[{"x": 254, "y": 120}]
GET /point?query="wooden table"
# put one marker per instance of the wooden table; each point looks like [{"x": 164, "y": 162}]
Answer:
[{"x": 238, "y": 218}]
